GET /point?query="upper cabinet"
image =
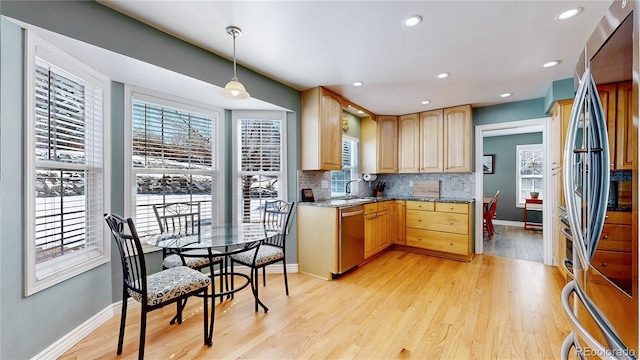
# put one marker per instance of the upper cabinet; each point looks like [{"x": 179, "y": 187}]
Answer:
[
  {"x": 379, "y": 145},
  {"x": 321, "y": 126},
  {"x": 457, "y": 139},
  {"x": 435, "y": 141},
  {"x": 616, "y": 104}
]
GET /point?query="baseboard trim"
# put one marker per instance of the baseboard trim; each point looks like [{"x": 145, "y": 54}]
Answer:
[
  {"x": 65, "y": 343},
  {"x": 509, "y": 223}
]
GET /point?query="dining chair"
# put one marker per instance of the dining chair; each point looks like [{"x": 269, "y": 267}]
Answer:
[
  {"x": 156, "y": 290},
  {"x": 489, "y": 215},
  {"x": 183, "y": 218},
  {"x": 276, "y": 216}
]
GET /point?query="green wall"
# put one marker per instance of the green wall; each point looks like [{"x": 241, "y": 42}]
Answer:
[
  {"x": 504, "y": 178},
  {"x": 28, "y": 325}
]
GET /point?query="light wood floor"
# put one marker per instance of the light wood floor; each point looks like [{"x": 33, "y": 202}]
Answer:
[
  {"x": 515, "y": 242},
  {"x": 400, "y": 305}
]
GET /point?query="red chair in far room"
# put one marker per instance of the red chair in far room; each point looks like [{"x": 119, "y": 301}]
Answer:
[{"x": 489, "y": 214}]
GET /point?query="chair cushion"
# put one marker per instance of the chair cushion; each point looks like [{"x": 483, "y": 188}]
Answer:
[
  {"x": 174, "y": 260},
  {"x": 172, "y": 283},
  {"x": 266, "y": 255}
]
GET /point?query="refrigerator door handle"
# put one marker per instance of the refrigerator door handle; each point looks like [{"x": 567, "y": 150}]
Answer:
[{"x": 616, "y": 351}]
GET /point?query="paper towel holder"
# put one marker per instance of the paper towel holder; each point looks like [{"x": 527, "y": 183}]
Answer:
[{"x": 369, "y": 177}]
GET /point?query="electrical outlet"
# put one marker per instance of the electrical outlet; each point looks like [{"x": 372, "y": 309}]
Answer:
[
  {"x": 325, "y": 184},
  {"x": 410, "y": 183}
]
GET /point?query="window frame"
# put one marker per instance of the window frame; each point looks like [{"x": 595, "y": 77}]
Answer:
[
  {"x": 135, "y": 93},
  {"x": 520, "y": 177},
  {"x": 38, "y": 277},
  {"x": 236, "y": 116},
  {"x": 355, "y": 170}
]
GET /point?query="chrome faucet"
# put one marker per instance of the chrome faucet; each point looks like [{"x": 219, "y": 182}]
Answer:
[{"x": 347, "y": 188}]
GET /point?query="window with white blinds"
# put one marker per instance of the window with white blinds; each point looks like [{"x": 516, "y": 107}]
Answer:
[
  {"x": 174, "y": 157},
  {"x": 66, "y": 189},
  {"x": 261, "y": 165},
  {"x": 339, "y": 179}
]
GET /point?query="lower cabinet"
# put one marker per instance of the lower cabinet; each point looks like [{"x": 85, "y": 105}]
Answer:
[
  {"x": 377, "y": 227},
  {"x": 398, "y": 222},
  {"x": 440, "y": 229}
]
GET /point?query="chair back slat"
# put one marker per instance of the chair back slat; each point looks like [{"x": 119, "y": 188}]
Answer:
[
  {"x": 134, "y": 270},
  {"x": 276, "y": 216},
  {"x": 494, "y": 204},
  {"x": 182, "y": 218}
]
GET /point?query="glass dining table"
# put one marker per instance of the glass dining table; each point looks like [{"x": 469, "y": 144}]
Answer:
[{"x": 219, "y": 240}]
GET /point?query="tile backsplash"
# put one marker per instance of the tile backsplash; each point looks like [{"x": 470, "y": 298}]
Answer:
[{"x": 451, "y": 185}]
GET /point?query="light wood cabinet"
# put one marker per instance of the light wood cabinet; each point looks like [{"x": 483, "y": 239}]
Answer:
[
  {"x": 318, "y": 235},
  {"x": 624, "y": 144},
  {"x": 432, "y": 141},
  {"x": 398, "y": 222},
  {"x": 608, "y": 96},
  {"x": 408, "y": 143},
  {"x": 613, "y": 257},
  {"x": 377, "y": 228},
  {"x": 379, "y": 145},
  {"x": 387, "y": 150},
  {"x": 457, "y": 139},
  {"x": 321, "y": 129},
  {"x": 440, "y": 229}
]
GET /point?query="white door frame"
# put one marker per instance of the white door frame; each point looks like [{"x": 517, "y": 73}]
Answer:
[{"x": 547, "y": 211}]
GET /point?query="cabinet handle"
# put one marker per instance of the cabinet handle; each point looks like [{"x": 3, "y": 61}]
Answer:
[
  {"x": 450, "y": 207},
  {"x": 451, "y": 243},
  {"x": 606, "y": 217},
  {"x": 420, "y": 238},
  {"x": 450, "y": 222},
  {"x": 605, "y": 237},
  {"x": 419, "y": 220},
  {"x": 604, "y": 264},
  {"x": 419, "y": 205}
]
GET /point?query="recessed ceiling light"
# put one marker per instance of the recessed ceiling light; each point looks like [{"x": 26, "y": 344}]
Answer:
[
  {"x": 443, "y": 75},
  {"x": 426, "y": 102},
  {"x": 357, "y": 83},
  {"x": 412, "y": 21},
  {"x": 506, "y": 95},
  {"x": 551, "y": 63},
  {"x": 569, "y": 14},
  {"x": 360, "y": 112}
]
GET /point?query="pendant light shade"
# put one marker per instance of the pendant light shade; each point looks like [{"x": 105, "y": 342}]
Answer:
[{"x": 234, "y": 89}]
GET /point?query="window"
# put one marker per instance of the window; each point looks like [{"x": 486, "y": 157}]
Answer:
[
  {"x": 349, "y": 171},
  {"x": 67, "y": 168},
  {"x": 259, "y": 162},
  {"x": 174, "y": 156},
  {"x": 529, "y": 171}
]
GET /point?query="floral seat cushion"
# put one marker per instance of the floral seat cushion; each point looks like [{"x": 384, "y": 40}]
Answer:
[
  {"x": 266, "y": 254},
  {"x": 174, "y": 260},
  {"x": 171, "y": 283}
]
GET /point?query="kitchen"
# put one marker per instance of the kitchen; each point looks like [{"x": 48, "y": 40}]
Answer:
[{"x": 481, "y": 115}]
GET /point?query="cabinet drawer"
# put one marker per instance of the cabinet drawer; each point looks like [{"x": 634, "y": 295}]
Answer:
[
  {"x": 445, "y": 222},
  {"x": 384, "y": 205},
  {"x": 613, "y": 264},
  {"x": 433, "y": 240},
  {"x": 618, "y": 217},
  {"x": 452, "y": 208},
  {"x": 370, "y": 208},
  {"x": 615, "y": 238},
  {"x": 420, "y": 205}
]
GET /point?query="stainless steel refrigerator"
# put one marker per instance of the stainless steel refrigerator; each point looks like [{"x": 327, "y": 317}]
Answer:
[{"x": 601, "y": 192}]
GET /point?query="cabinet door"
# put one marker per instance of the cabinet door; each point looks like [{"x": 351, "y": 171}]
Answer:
[
  {"x": 387, "y": 144},
  {"x": 457, "y": 139},
  {"x": 408, "y": 143},
  {"x": 625, "y": 142},
  {"x": 399, "y": 223},
  {"x": 384, "y": 230},
  {"x": 370, "y": 234},
  {"x": 330, "y": 134},
  {"x": 608, "y": 96},
  {"x": 431, "y": 141}
]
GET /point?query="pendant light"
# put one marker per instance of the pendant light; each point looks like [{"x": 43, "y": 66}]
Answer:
[{"x": 234, "y": 89}]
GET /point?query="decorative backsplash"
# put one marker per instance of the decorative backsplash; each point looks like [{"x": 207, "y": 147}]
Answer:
[{"x": 458, "y": 186}]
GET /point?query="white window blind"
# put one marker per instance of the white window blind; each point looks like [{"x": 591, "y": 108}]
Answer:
[
  {"x": 66, "y": 189},
  {"x": 174, "y": 158},
  {"x": 261, "y": 162},
  {"x": 349, "y": 170}
]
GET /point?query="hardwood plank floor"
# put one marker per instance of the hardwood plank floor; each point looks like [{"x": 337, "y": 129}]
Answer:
[
  {"x": 515, "y": 242},
  {"x": 400, "y": 305}
]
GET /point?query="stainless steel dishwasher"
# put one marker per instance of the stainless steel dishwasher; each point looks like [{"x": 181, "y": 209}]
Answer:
[{"x": 351, "y": 251}]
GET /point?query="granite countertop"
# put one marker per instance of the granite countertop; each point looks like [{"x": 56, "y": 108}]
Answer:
[{"x": 343, "y": 203}]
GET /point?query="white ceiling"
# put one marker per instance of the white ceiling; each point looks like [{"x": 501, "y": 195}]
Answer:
[{"x": 489, "y": 47}]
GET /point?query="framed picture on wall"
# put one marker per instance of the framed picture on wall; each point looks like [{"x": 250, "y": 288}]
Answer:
[{"x": 488, "y": 163}]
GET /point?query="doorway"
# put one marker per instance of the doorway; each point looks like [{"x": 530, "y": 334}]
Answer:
[{"x": 507, "y": 128}]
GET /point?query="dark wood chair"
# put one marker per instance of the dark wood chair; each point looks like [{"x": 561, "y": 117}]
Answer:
[
  {"x": 156, "y": 290},
  {"x": 276, "y": 216},
  {"x": 489, "y": 215}
]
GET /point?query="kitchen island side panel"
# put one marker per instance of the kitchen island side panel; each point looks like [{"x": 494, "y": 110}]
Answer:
[{"x": 318, "y": 241}]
